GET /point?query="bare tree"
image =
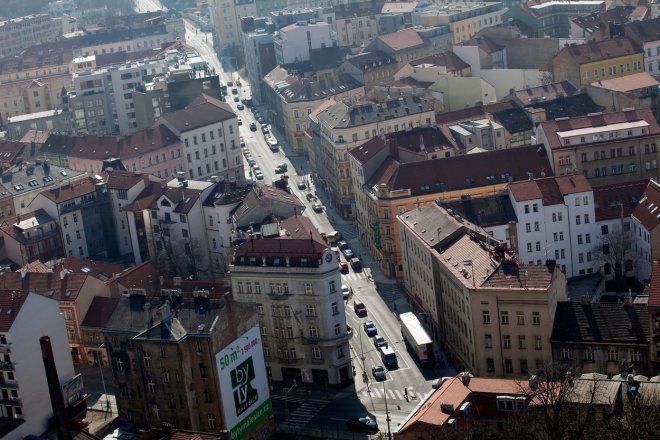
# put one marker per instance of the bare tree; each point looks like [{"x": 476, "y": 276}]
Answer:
[
  {"x": 639, "y": 418},
  {"x": 182, "y": 257},
  {"x": 615, "y": 250}
]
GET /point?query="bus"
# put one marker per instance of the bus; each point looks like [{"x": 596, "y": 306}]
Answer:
[{"x": 416, "y": 337}]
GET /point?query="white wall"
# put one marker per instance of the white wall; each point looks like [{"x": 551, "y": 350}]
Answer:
[
  {"x": 227, "y": 148},
  {"x": 295, "y": 45},
  {"x": 462, "y": 92},
  {"x": 39, "y": 316},
  {"x": 506, "y": 79}
]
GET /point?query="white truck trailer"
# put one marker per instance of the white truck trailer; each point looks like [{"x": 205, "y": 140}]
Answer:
[{"x": 416, "y": 337}]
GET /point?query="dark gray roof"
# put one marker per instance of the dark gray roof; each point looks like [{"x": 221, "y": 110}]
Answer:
[
  {"x": 601, "y": 322},
  {"x": 515, "y": 120},
  {"x": 203, "y": 111},
  {"x": 299, "y": 89},
  {"x": 371, "y": 60},
  {"x": 21, "y": 179},
  {"x": 569, "y": 106},
  {"x": 484, "y": 211},
  {"x": 121, "y": 35},
  {"x": 341, "y": 115},
  {"x": 644, "y": 31}
]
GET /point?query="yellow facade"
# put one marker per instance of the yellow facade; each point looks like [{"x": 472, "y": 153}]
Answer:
[{"x": 612, "y": 68}]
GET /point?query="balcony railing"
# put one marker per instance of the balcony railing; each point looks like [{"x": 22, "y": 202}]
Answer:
[
  {"x": 279, "y": 295},
  {"x": 5, "y": 349},
  {"x": 15, "y": 401},
  {"x": 288, "y": 361},
  {"x": 6, "y": 366},
  {"x": 38, "y": 237},
  {"x": 11, "y": 384}
]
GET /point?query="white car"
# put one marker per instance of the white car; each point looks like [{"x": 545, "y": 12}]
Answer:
[{"x": 345, "y": 291}]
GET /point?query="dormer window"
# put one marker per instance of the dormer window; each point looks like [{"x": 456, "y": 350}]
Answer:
[{"x": 567, "y": 141}]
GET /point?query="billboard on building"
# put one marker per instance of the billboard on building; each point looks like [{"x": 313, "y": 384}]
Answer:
[{"x": 244, "y": 383}]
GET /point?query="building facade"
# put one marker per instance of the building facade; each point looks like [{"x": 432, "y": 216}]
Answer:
[{"x": 17, "y": 34}]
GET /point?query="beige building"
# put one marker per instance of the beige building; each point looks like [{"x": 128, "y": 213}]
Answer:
[
  {"x": 606, "y": 148},
  {"x": 17, "y": 34},
  {"x": 342, "y": 126},
  {"x": 495, "y": 314},
  {"x": 292, "y": 98},
  {"x": 33, "y": 95},
  {"x": 386, "y": 186},
  {"x": 357, "y": 23},
  {"x": 464, "y": 19}
]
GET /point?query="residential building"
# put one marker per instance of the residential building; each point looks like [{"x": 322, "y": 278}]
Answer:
[
  {"x": 294, "y": 42},
  {"x": 556, "y": 221},
  {"x": 606, "y": 338},
  {"x": 130, "y": 38},
  {"x": 484, "y": 297},
  {"x": 292, "y": 98},
  {"x": 301, "y": 310},
  {"x": 165, "y": 339},
  {"x": 167, "y": 225},
  {"x": 356, "y": 23},
  {"x": 429, "y": 68},
  {"x": 645, "y": 229},
  {"x": 209, "y": 131},
  {"x": 83, "y": 210},
  {"x": 26, "y": 96},
  {"x": 11, "y": 153},
  {"x": 547, "y": 92},
  {"x": 370, "y": 68},
  {"x": 582, "y": 64},
  {"x": 385, "y": 187},
  {"x": 17, "y": 34},
  {"x": 39, "y": 61},
  {"x": 605, "y": 147},
  {"x": 262, "y": 202},
  {"x": 412, "y": 43},
  {"x": 462, "y": 402},
  {"x": 32, "y": 236},
  {"x": 637, "y": 90},
  {"x": 341, "y": 126},
  {"x": 464, "y": 19},
  {"x": 259, "y": 51},
  {"x": 155, "y": 150},
  {"x": 72, "y": 291},
  {"x": 96, "y": 319},
  {"x": 23, "y": 183},
  {"x": 24, "y": 409},
  {"x": 549, "y": 18},
  {"x": 52, "y": 120},
  {"x": 653, "y": 304},
  {"x": 491, "y": 54},
  {"x": 585, "y": 25}
]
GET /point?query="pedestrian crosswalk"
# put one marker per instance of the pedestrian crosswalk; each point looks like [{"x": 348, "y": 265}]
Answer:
[
  {"x": 303, "y": 414},
  {"x": 376, "y": 391},
  {"x": 354, "y": 276}
]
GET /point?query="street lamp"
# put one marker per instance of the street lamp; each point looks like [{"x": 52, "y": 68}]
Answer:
[
  {"x": 387, "y": 413},
  {"x": 105, "y": 391}
]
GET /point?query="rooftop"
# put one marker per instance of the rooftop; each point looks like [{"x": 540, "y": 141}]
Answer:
[
  {"x": 447, "y": 59},
  {"x": 627, "y": 83},
  {"x": 545, "y": 92},
  {"x": 551, "y": 190},
  {"x": 58, "y": 286},
  {"x": 54, "y": 83},
  {"x": 644, "y": 30},
  {"x": 11, "y": 302},
  {"x": 26, "y": 221},
  {"x": 10, "y": 150},
  {"x": 484, "y": 43},
  {"x": 572, "y": 106},
  {"x": 591, "y": 22},
  {"x": 601, "y": 323},
  {"x": 647, "y": 211},
  {"x": 402, "y": 40},
  {"x": 203, "y": 111},
  {"x": 72, "y": 190},
  {"x": 99, "y": 312},
  {"x": 654, "y": 287},
  {"x": 264, "y": 195},
  {"x": 341, "y": 115},
  {"x": 594, "y": 51},
  {"x": 103, "y": 270},
  {"x": 484, "y": 211},
  {"x": 227, "y": 192},
  {"x": 609, "y": 199},
  {"x": 28, "y": 177},
  {"x": 371, "y": 60},
  {"x": 293, "y": 88}
]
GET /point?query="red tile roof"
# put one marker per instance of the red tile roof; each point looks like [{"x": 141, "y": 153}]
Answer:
[
  {"x": 550, "y": 189},
  {"x": 203, "y": 111},
  {"x": 627, "y": 83},
  {"x": 609, "y": 199},
  {"x": 71, "y": 190},
  {"x": 654, "y": 288},
  {"x": 647, "y": 211},
  {"x": 550, "y": 128},
  {"x": 9, "y": 150},
  {"x": 448, "y": 59},
  {"x": 45, "y": 284},
  {"x": 102, "y": 270},
  {"x": 594, "y": 51},
  {"x": 117, "y": 179},
  {"x": 402, "y": 40},
  {"x": 99, "y": 312},
  {"x": 547, "y": 91},
  {"x": 365, "y": 152},
  {"x": 10, "y": 299}
]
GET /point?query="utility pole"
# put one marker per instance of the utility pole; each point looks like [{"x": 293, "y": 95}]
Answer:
[{"x": 387, "y": 414}]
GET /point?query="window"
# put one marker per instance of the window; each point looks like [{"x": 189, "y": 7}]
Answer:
[
  {"x": 504, "y": 317},
  {"x": 589, "y": 354},
  {"x": 604, "y": 230},
  {"x": 529, "y": 247},
  {"x": 579, "y": 239},
  {"x": 486, "y": 316},
  {"x": 490, "y": 364},
  {"x": 337, "y": 329},
  {"x": 333, "y": 287},
  {"x": 506, "y": 341},
  {"x": 565, "y": 354},
  {"x": 578, "y": 220},
  {"x": 586, "y": 219},
  {"x": 522, "y": 343},
  {"x": 309, "y": 290},
  {"x": 311, "y": 310},
  {"x": 536, "y": 318},
  {"x": 523, "y": 366},
  {"x": 488, "y": 341},
  {"x": 316, "y": 353},
  {"x": 538, "y": 246},
  {"x": 612, "y": 354},
  {"x": 340, "y": 352},
  {"x": 520, "y": 318},
  {"x": 147, "y": 359},
  {"x": 537, "y": 226},
  {"x": 508, "y": 366},
  {"x": 335, "y": 309},
  {"x": 535, "y": 207},
  {"x": 528, "y": 227},
  {"x": 163, "y": 352},
  {"x": 538, "y": 345},
  {"x": 554, "y": 216},
  {"x": 211, "y": 420},
  {"x": 577, "y": 201},
  {"x": 526, "y": 209},
  {"x": 152, "y": 386},
  {"x": 313, "y": 332}
]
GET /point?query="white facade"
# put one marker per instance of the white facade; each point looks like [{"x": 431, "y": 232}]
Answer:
[
  {"x": 294, "y": 42},
  {"x": 219, "y": 229},
  {"x": 566, "y": 232},
  {"x": 214, "y": 150},
  {"x": 652, "y": 57},
  {"x": 119, "y": 198},
  {"x": 38, "y": 316}
]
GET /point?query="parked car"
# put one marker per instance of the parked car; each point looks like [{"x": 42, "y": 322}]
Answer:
[
  {"x": 264, "y": 128},
  {"x": 343, "y": 267},
  {"x": 283, "y": 166},
  {"x": 230, "y": 83},
  {"x": 234, "y": 91},
  {"x": 359, "y": 308},
  {"x": 317, "y": 207},
  {"x": 301, "y": 184},
  {"x": 280, "y": 170},
  {"x": 356, "y": 264},
  {"x": 335, "y": 249},
  {"x": 236, "y": 98},
  {"x": 380, "y": 341},
  {"x": 378, "y": 372},
  {"x": 334, "y": 236},
  {"x": 370, "y": 328},
  {"x": 242, "y": 142},
  {"x": 348, "y": 253},
  {"x": 253, "y": 126},
  {"x": 240, "y": 106},
  {"x": 239, "y": 121},
  {"x": 342, "y": 245},
  {"x": 345, "y": 291},
  {"x": 259, "y": 175},
  {"x": 79, "y": 423},
  {"x": 246, "y": 152},
  {"x": 362, "y": 424}
]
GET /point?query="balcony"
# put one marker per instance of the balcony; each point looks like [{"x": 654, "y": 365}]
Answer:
[
  {"x": 279, "y": 295},
  {"x": 288, "y": 361},
  {"x": 43, "y": 236},
  {"x": 6, "y": 366},
  {"x": 14, "y": 401},
  {"x": 11, "y": 384},
  {"x": 4, "y": 349}
]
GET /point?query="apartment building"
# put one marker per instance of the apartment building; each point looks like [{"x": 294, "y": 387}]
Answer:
[
  {"x": 17, "y": 34},
  {"x": 594, "y": 61},
  {"x": 412, "y": 43},
  {"x": 293, "y": 43},
  {"x": 32, "y": 236},
  {"x": 654, "y": 318},
  {"x": 155, "y": 150},
  {"x": 293, "y": 277},
  {"x": 605, "y": 147},
  {"x": 602, "y": 338},
  {"x": 646, "y": 232},
  {"x": 556, "y": 221},
  {"x": 548, "y": 18},
  {"x": 464, "y": 19},
  {"x": 166, "y": 340},
  {"x": 167, "y": 225},
  {"x": 38, "y": 61},
  {"x": 637, "y": 90},
  {"x": 209, "y": 130},
  {"x": 494, "y": 313},
  {"x": 341, "y": 126},
  {"x": 357, "y": 23},
  {"x": 430, "y": 68},
  {"x": 370, "y": 68},
  {"x": 386, "y": 186},
  {"x": 131, "y": 39},
  {"x": 24, "y": 410},
  {"x": 292, "y": 98},
  {"x": 259, "y": 51}
]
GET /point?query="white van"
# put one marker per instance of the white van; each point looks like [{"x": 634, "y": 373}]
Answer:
[{"x": 333, "y": 236}]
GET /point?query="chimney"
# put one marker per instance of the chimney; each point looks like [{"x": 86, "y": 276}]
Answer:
[
  {"x": 24, "y": 271},
  {"x": 55, "y": 391},
  {"x": 63, "y": 273},
  {"x": 627, "y": 300}
]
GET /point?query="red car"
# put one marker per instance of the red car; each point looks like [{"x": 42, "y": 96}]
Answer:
[{"x": 343, "y": 267}]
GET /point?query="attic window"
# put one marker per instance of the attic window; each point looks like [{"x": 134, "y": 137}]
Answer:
[{"x": 165, "y": 202}]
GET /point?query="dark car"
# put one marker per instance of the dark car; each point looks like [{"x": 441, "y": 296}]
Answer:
[
  {"x": 362, "y": 424},
  {"x": 380, "y": 341},
  {"x": 301, "y": 184},
  {"x": 370, "y": 328},
  {"x": 317, "y": 207},
  {"x": 378, "y": 372},
  {"x": 342, "y": 245},
  {"x": 348, "y": 254},
  {"x": 253, "y": 126}
]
